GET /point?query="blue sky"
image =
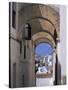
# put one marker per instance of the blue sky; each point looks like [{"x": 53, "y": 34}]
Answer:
[{"x": 43, "y": 49}]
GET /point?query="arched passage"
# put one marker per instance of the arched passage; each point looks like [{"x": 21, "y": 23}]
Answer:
[
  {"x": 44, "y": 64},
  {"x": 44, "y": 41},
  {"x": 43, "y": 29}
]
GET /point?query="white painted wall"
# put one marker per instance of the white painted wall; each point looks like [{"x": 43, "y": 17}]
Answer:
[{"x": 63, "y": 39}]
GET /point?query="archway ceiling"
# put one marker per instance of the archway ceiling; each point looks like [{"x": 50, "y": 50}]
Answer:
[
  {"x": 40, "y": 25},
  {"x": 50, "y": 12},
  {"x": 43, "y": 37},
  {"x": 36, "y": 10},
  {"x": 43, "y": 40}
]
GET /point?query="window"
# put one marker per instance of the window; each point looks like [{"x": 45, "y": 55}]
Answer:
[{"x": 13, "y": 15}]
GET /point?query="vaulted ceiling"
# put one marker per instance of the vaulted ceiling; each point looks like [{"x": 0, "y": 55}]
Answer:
[
  {"x": 42, "y": 18},
  {"x": 30, "y": 11}
]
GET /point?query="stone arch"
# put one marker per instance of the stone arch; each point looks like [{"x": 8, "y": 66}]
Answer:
[
  {"x": 43, "y": 37},
  {"x": 45, "y": 24},
  {"x": 43, "y": 40},
  {"x": 38, "y": 17},
  {"x": 40, "y": 33}
]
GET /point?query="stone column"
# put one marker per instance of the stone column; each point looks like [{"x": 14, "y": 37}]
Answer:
[
  {"x": 59, "y": 63},
  {"x": 29, "y": 64},
  {"x": 54, "y": 61}
]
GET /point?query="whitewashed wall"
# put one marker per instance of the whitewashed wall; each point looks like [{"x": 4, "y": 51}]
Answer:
[{"x": 63, "y": 39}]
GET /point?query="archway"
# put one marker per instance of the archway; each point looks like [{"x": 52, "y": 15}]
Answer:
[
  {"x": 44, "y": 64},
  {"x": 43, "y": 29},
  {"x": 42, "y": 73}
]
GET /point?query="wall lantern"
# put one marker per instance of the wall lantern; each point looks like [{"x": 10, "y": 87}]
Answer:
[{"x": 27, "y": 32}]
